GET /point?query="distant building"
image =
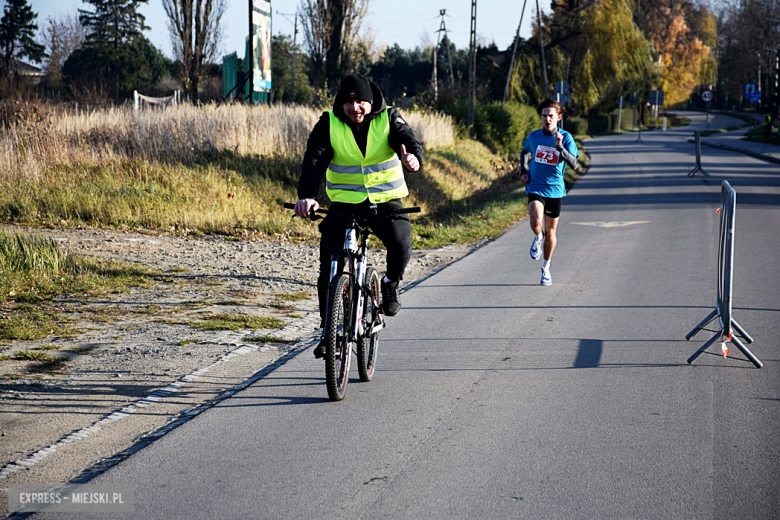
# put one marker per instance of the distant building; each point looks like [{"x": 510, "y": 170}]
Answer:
[{"x": 30, "y": 73}]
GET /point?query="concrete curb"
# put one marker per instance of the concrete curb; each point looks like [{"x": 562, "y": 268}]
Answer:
[{"x": 756, "y": 155}]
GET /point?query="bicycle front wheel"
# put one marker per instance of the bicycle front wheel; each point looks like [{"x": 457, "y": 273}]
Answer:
[
  {"x": 368, "y": 344},
  {"x": 337, "y": 336}
]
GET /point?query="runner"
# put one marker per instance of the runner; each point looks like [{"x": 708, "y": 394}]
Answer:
[
  {"x": 362, "y": 148},
  {"x": 551, "y": 149}
]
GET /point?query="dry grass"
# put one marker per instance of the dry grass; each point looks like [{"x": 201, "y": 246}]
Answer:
[
  {"x": 431, "y": 129},
  {"x": 42, "y": 137}
]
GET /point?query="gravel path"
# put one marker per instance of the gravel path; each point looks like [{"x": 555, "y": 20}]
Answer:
[{"x": 135, "y": 370}]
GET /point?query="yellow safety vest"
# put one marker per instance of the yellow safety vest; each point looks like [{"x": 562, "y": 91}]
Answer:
[{"x": 353, "y": 178}]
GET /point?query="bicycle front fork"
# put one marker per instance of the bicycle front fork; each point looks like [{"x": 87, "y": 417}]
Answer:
[{"x": 358, "y": 267}]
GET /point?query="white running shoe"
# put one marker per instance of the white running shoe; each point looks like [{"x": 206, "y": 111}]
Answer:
[
  {"x": 536, "y": 247},
  {"x": 546, "y": 277}
]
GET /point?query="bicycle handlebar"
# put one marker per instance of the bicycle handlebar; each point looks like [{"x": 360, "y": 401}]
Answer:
[{"x": 358, "y": 216}]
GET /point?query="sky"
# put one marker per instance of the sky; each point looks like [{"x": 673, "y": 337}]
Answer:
[{"x": 410, "y": 23}]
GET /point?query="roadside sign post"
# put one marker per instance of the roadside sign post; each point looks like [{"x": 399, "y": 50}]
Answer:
[
  {"x": 620, "y": 112},
  {"x": 656, "y": 100},
  {"x": 697, "y": 145},
  {"x": 561, "y": 96},
  {"x": 753, "y": 95},
  {"x": 634, "y": 99},
  {"x": 706, "y": 96}
]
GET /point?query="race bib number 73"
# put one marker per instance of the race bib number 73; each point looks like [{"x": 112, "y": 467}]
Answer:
[{"x": 546, "y": 155}]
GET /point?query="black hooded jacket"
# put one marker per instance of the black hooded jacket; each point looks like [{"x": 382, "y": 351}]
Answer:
[{"x": 319, "y": 151}]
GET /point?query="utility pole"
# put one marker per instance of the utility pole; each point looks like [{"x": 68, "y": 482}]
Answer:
[
  {"x": 294, "y": 54},
  {"x": 541, "y": 50},
  {"x": 449, "y": 56},
  {"x": 514, "y": 52},
  {"x": 472, "y": 68},
  {"x": 435, "y": 76},
  {"x": 250, "y": 68}
]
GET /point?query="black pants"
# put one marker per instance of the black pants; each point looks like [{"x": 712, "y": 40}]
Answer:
[{"x": 395, "y": 234}]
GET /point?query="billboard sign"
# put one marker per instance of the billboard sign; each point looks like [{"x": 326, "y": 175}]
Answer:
[{"x": 261, "y": 45}]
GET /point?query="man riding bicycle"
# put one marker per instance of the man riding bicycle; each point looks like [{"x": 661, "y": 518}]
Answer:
[{"x": 361, "y": 147}]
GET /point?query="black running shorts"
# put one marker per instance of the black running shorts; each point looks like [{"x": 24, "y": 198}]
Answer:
[{"x": 552, "y": 207}]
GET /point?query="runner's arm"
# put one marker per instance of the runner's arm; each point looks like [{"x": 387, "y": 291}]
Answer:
[
  {"x": 570, "y": 159},
  {"x": 523, "y": 167}
]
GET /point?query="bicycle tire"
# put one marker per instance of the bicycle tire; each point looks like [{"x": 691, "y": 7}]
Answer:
[
  {"x": 337, "y": 335},
  {"x": 368, "y": 344}
]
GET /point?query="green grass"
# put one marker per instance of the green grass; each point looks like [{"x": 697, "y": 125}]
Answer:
[
  {"x": 759, "y": 137},
  {"x": 81, "y": 349},
  {"x": 52, "y": 362},
  {"x": 294, "y": 297},
  {"x": 229, "y": 322},
  {"x": 45, "y": 359},
  {"x": 32, "y": 355},
  {"x": 33, "y": 325},
  {"x": 34, "y": 270},
  {"x": 224, "y": 194}
]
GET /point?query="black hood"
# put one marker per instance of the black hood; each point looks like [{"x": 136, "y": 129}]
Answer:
[{"x": 377, "y": 106}]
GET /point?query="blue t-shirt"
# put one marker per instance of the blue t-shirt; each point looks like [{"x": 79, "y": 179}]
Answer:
[{"x": 546, "y": 165}]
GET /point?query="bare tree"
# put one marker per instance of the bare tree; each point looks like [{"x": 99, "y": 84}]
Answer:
[
  {"x": 196, "y": 33},
  {"x": 331, "y": 30},
  {"x": 61, "y": 37}
]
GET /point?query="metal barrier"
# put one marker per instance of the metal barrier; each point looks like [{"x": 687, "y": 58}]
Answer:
[
  {"x": 728, "y": 325},
  {"x": 697, "y": 140}
]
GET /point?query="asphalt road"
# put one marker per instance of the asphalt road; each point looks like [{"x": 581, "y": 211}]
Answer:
[{"x": 498, "y": 398}]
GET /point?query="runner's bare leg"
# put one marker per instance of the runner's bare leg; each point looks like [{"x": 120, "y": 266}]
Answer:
[
  {"x": 550, "y": 238},
  {"x": 535, "y": 214}
]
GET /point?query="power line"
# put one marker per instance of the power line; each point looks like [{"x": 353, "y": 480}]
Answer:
[{"x": 435, "y": 78}]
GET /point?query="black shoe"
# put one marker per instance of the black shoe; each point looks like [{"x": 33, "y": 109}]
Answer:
[
  {"x": 319, "y": 350},
  {"x": 390, "y": 304}
]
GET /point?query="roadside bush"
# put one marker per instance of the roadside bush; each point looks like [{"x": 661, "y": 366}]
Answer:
[
  {"x": 575, "y": 125},
  {"x": 599, "y": 124},
  {"x": 524, "y": 121},
  {"x": 502, "y": 128}
]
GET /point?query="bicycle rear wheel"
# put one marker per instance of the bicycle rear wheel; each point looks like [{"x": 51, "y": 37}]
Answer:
[
  {"x": 368, "y": 344},
  {"x": 337, "y": 335}
]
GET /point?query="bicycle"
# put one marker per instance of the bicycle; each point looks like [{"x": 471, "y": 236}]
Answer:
[{"x": 354, "y": 316}]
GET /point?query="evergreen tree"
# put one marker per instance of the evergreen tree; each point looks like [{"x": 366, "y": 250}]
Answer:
[
  {"x": 282, "y": 62},
  {"x": 138, "y": 65},
  {"x": 115, "y": 51},
  {"x": 113, "y": 23},
  {"x": 17, "y": 32}
]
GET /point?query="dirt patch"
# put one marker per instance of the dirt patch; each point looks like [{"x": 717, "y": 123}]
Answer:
[{"x": 145, "y": 359}]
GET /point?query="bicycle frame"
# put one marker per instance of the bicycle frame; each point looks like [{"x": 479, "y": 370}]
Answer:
[{"x": 352, "y": 261}]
